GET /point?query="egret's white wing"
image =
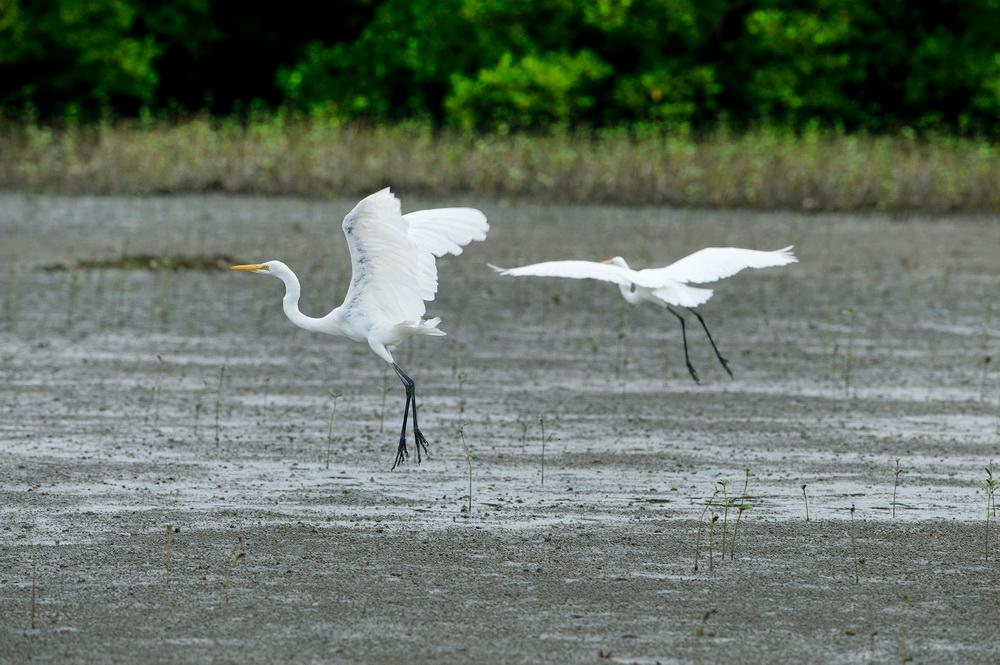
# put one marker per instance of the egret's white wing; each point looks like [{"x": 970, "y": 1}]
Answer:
[
  {"x": 385, "y": 261},
  {"x": 714, "y": 263},
  {"x": 438, "y": 232},
  {"x": 573, "y": 270}
]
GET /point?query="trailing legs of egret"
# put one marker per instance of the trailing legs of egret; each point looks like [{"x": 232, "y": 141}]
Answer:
[
  {"x": 411, "y": 400},
  {"x": 722, "y": 361},
  {"x": 684, "y": 336},
  {"x": 687, "y": 358}
]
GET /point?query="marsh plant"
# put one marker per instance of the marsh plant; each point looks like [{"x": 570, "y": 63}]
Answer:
[
  {"x": 701, "y": 529},
  {"x": 239, "y": 552},
  {"x": 805, "y": 496},
  {"x": 218, "y": 402},
  {"x": 467, "y": 451},
  {"x": 989, "y": 486},
  {"x": 742, "y": 506},
  {"x": 334, "y": 396}
]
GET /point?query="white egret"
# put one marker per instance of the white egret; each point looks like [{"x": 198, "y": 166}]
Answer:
[
  {"x": 394, "y": 272},
  {"x": 667, "y": 286}
]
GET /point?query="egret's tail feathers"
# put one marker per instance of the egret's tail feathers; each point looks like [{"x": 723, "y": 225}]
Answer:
[
  {"x": 429, "y": 327},
  {"x": 683, "y": 295},
  {"x": 784, "y": 256}
]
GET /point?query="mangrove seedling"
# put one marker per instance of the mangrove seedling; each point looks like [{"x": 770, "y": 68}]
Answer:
[
  {"x": 701, "y": 526},
  {"x": 725, "y": 515},
  {"x": 806, "y": 497},
  {"x": 541, "y": 423},
  {"x": 711, "y": 541}
]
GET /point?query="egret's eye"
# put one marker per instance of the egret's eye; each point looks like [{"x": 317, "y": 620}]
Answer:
[{"x": 265, "y": 267}]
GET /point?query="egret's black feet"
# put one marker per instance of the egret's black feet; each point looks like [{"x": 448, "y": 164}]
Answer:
[
  {"x": 694, "y": 373},
  {"x": 401, "y": 454},
  {"x": 725, "y": 366},
  {"x": 421, "y": 443}
]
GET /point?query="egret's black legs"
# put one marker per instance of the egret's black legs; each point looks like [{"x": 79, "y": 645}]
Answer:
[
  {"x": 722, "y": 361},
  {"x": 411, "y": 398},
  {"x": 401, "y": 452},
  {"x": 687, "y": 358}
]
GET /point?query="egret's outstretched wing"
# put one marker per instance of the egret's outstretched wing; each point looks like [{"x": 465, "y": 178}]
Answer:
[
  {"x": 438, "y": 232},
  {"x": 715, "y": 263},
  {"x": 385, "y": 261},
  {"x": 573, "y": 270}
]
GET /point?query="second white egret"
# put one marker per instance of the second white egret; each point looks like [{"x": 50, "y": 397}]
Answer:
[{"x": 669, "y": 286}]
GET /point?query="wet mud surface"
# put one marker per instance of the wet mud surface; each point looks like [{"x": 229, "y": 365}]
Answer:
[{"x": 113, "y": 426}]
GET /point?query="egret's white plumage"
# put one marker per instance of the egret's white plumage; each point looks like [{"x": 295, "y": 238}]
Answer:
[
  {"x": 666, "y": 286},
  {"x": 394, "y": 271}
]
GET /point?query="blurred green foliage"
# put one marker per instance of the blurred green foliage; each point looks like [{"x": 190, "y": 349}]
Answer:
[{"x": 513, "y": 64}]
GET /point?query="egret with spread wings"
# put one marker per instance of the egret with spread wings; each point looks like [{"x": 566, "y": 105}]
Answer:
[
  {"x": 669, "y": 286},
  {"x": 394, "y": 272}
]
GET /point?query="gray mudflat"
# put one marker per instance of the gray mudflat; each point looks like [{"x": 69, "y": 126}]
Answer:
[{"x": 871, "y": 349}]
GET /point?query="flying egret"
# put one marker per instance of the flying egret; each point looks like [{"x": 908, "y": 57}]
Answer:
[
  {"x": 393, "y": 273},
  {"x": 667, "y": 286}
]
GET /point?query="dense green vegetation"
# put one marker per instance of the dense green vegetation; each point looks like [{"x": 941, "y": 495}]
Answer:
[{"x": 513, "y": 64}]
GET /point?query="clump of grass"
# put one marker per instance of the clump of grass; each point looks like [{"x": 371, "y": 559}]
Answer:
[
  {"x": 806, "y": 497},
  {"x": 467, "y": 509},
  {"x": 762, "y": 168},
  {"x": 334, "y": 396},
  {"x": 895, "y": 486},
  {"x": 218, "y": 402},
  {"x": 990, "y": 486},
  {"x": 239, "y": 552}
]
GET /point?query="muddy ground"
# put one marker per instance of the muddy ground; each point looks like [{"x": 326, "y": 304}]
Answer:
[{"x": 112, "y": 426}]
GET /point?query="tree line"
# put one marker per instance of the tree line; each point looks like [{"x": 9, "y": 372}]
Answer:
[{"x": 876, "y": 65}]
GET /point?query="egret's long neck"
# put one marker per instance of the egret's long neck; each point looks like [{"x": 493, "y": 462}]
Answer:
[{"x": 290, "y": 303}]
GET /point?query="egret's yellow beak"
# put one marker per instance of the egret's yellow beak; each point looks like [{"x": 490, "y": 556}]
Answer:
[
  {"x": 607, "y": 262},
  {"x": 250, "y": 267}
]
